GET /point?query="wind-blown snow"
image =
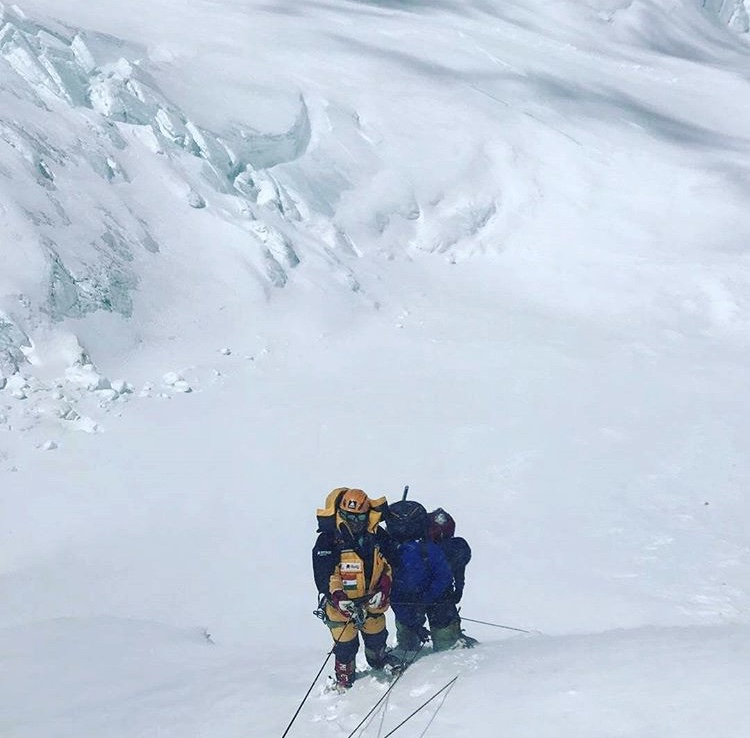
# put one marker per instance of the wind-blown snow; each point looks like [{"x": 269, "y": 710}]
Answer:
[{"x": 495, "y": 250}]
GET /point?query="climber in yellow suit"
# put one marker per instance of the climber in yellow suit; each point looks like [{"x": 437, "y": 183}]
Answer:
[{"x": 353, "y": 576}]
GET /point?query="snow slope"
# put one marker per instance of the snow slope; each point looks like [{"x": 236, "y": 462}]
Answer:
[
  {"x": 494, "y": 250},
  {"x": 172, "y": 683}
]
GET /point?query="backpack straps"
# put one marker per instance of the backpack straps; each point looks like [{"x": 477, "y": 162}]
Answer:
[{"x": 423, "y": 550}]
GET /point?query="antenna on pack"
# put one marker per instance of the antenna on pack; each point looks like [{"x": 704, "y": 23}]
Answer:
[{"x": 406, "y": 492}]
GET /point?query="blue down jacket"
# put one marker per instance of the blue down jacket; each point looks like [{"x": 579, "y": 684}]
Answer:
[{"x": 421, "y": 578}]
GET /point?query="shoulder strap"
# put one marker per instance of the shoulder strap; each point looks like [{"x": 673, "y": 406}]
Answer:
[{"x": 423, "y": 549}]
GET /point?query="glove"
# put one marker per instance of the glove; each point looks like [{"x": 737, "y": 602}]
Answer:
[
  {"x": 376, "y": 601},
  {"x": 380, "y": 600},
  {"x": 342, "y": 603}
]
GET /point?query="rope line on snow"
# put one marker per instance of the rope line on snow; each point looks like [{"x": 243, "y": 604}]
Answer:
[
  {"x": 437, "y": 710},
  {"x": 382, "y": 712},
  {"x": 384, "y": 696},
  {"x": 320, "y": 671},
  {"x": 495, "y": 625},
  {"x": 468, "y": 620},
  {"x": 382, "y": 716},
  {"x": 448, "y": 687}
]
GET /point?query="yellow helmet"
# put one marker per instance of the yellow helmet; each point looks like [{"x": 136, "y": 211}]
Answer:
[{"x": 354, "y": 501}]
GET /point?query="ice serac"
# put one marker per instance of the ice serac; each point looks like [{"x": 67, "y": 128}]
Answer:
[
  {"x": 11, "y": 339},
  {"x": 264, "y": 150},
  {"x": 81, "y": 118},
  {"x": 735, "y": 13}
]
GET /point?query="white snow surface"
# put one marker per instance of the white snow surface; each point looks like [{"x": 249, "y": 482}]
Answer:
[{"x": 251, "y": 251}]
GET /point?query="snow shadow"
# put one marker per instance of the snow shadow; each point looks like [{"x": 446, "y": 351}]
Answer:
[
  {"x": 419, "y": 66},
  {"x": 414, "y": 6},
  {"x": 594, "y": 101},
  {"x": 693, "y": 40},
  {"x": 505, "y": 11},
  {"x": 617, "y": 106}
]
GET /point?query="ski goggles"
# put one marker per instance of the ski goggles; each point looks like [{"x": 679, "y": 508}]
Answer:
[{"x": 351, "y": 517}]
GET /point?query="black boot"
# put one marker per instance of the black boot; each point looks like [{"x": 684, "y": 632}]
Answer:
[
  {"x": 382, "y": 657},
  {"x": 344, "y": 673}
]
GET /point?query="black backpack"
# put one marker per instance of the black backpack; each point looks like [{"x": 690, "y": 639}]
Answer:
[{"x": 406, "y": 520}]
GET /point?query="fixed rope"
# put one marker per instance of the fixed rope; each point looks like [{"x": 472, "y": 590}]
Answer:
[
  {"x": 495, "y": 625},
  {"x": 437, "y": 710},
  {"x": 384, "y": 696},
  {"x": 382, "y": 716},
  {"x": 448, "y": 687},
  {"x": 320, "y": 671},
  {"x": 468, "y": 620}
]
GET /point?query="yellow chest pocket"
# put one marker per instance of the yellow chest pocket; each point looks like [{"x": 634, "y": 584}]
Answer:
[{"x": 352, "y": 572}]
